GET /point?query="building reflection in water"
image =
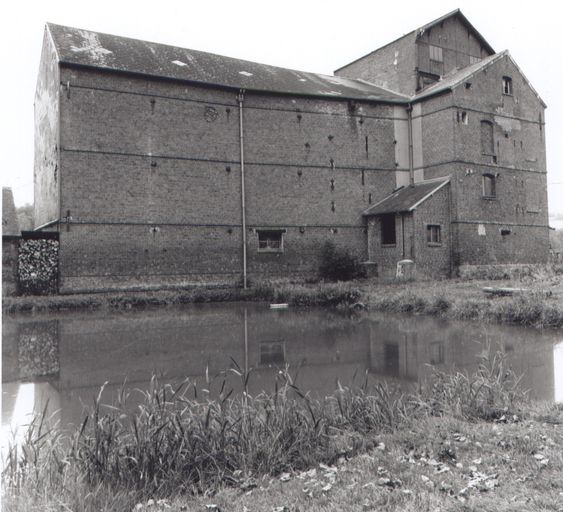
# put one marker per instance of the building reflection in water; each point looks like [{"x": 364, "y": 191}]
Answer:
[{"x": 66, "y": 359}]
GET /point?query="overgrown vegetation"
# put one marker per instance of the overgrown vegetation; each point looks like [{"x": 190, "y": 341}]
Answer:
[
  {"x": 338, "y": 264},
  {"x": 179, "y": 442}
]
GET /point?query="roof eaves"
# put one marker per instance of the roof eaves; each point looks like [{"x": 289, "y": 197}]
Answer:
[
  {"x": 462, "y": 78},
  {"x": 401, "y": 98}
]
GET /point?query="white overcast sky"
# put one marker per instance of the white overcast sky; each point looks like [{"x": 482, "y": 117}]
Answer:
[{"x": 317, "y": 36}]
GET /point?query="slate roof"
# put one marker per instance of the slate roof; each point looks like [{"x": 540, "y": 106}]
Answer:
[
  {"x": 458, "y": 76},
  {"x": 406, "y": 199},
  {"x": 103, "y": 51}
]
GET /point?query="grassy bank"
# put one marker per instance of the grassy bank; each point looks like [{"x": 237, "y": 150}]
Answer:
[
  {"x": 459, "y": 440},
  {"x": 538, "y": 303},
  {"x": 323, "y": 294},
  {"x": 464, "y": 300}
]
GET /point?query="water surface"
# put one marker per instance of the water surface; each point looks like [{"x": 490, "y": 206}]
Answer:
[{"x": 65, "y": 358}]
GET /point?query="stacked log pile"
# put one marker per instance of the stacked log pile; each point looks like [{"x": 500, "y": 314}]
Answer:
[
  {"x": 38, "y": 267},
  {"x": 38, "y": 349}
]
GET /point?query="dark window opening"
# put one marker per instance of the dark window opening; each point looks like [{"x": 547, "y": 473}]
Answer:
[
  {"x": 462, "y": 117},
  {"x": 388, "y": 232},
  {"x": 505, "y": 232},
  {"x": 489, "y": 185},
  {"x": 270, "y": 241},
  {"x": 507, "y": 85},
  {"x": 434, "y": 234},
  {"x": 487, "y": 139}
]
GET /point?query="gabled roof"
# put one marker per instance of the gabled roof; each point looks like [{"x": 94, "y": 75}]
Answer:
[
  {"x": 78, "y": 47},
  {"x": 457, "y": 77},
  {"x": 457, "y": 13},
  {"x": 419, "y": 31},
  {"x": 407, "y": 199}
]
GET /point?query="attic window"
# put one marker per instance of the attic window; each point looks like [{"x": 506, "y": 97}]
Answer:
[
  {"x": 507, "y": 85},
  {"x": 462, "y": 117}
]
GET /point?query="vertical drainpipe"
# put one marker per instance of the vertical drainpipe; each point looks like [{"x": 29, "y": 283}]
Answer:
[
  {"x": 242, "y": 191},
  {"x": 411, "y": 157}
]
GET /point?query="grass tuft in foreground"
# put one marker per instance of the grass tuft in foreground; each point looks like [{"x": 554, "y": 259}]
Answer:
[{"x": 177, "y": 443}]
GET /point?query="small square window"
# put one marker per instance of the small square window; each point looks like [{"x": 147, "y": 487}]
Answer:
[
  {"x": 434, "y": 234},
  {"x": 507, "y": 85},
  {"x": 474, "y": 60},
  {"x": 270, "y": 241}
]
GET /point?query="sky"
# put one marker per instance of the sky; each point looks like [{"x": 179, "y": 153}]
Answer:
[{"x": 316, "y": 36}]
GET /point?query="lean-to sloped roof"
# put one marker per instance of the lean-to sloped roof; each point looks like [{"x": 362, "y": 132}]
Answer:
[
  {"x": 406, "y": 199},
  {"x": 457, "y": 77},
  {"x": 78, "y": 47}
]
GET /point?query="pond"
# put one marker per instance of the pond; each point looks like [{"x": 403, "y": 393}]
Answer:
[{"x": 63, "y": 359}]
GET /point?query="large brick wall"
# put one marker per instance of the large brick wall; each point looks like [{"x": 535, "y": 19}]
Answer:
[
  {"x": 46, "y": 162},
  {"x": 151, "y": 180},
  {"x": 392, "y": 66},
  {"x": 451, "y": 145}
]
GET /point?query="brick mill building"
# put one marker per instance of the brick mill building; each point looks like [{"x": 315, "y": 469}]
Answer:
[{"x": 160, "y": 165}]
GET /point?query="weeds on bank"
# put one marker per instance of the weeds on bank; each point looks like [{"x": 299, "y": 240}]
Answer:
[{"x": 177, "y": 441}]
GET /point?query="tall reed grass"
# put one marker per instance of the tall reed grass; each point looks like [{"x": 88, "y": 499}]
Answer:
[{"x": 178, "y": 441}]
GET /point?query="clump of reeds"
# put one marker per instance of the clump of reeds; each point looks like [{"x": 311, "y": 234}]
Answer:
[{"x": 176, "y": 440}]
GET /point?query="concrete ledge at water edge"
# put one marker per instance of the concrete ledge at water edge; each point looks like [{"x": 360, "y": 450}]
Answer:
[{"x": 505, "y": 291}]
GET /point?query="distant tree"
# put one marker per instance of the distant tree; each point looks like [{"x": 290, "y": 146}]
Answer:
[{"x": 25, "y": 217}]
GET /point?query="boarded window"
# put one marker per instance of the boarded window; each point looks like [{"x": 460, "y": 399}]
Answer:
[
  {"x": 270, "y": 241},
  {"x": 487, "y": 139},
  {"x": 436, "y": 60},
  {"x": 434, "y": 234},
  {"x": 436, "y": 53},
  {"x": 388, "y": 233},
  {"x": 489, "y": 185}
]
